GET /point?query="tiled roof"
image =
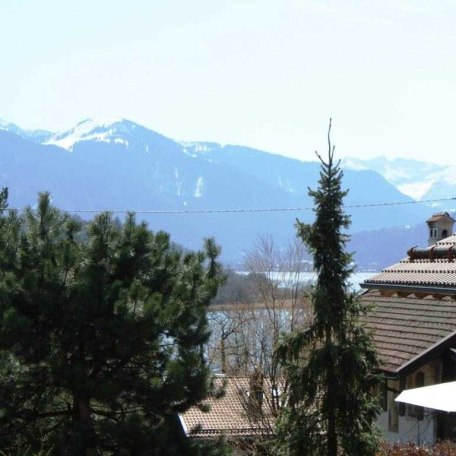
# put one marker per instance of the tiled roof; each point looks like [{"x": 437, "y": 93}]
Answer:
[
  {"x": 404, "y": 328},
  {"x": 451, "y": 240},
  {"x": 227, "y": 415},
  {"x": 434, "y": 267},
  {"x": 438, "y": 216}
]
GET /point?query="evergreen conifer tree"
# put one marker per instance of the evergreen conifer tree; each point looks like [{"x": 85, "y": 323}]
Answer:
[
  {"x": 102, "y": 328},
  {"x": 331, "y": 368}
]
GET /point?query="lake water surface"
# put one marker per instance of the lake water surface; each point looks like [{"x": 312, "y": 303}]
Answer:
[{"x": 310, "y": 277}]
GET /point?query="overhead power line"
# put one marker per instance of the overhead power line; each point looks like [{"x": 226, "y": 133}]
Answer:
[{"x": 247, "y": 210}]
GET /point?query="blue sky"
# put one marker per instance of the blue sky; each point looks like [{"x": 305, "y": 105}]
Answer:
[{"x": 265, "y": 73}]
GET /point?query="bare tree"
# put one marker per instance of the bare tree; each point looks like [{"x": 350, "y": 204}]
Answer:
[{"x": 246, "y": 326}]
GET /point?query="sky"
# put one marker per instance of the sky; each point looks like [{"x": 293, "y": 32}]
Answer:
[{"x": 262, "y": 73}]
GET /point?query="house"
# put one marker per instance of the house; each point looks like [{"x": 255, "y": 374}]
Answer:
[
  {"x": 244, "y": 414},
  {"x": 413, "y": 319},
  {"x": 412, "y": 314}
]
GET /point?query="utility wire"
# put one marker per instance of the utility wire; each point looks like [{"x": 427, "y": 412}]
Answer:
[{"x": 224, "y": 211}]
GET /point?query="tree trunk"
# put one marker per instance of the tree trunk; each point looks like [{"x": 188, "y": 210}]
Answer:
[
  {"x": 330, "y": 385},
  {"x": 82, "y": 415},
  {"x": 223, "y": 354},
  {"x": 332, "y": 437}
]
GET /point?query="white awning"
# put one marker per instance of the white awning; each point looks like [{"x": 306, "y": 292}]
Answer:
[{"x": 438, "y": 397}]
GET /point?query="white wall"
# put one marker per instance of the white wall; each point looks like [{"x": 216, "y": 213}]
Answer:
[{"x": 410, "y": 429}]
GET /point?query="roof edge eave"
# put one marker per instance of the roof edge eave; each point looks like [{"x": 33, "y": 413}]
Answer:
[
  {"x": 411, "y": 288},
  {"x": 426, "y": 355}
]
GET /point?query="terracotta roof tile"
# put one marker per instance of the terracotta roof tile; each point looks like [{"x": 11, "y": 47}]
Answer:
[
  {"x": 448, "y": 241},
  {"x": 438, "y": 216},
  {"x": 437, "y": 272},
  {"x": 405, "y": 327},
  {"x": 227, "y": 415}
]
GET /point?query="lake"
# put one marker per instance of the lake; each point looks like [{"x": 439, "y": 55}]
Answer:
[{"x": 309, "y": 277}]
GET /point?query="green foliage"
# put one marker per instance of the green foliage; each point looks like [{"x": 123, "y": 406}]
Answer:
[
  {"x": 27, "y": 451},
  {"x": 330, "y": 368},
  {"x": 217, "y": 447},
  {"x": 102, "y": 328}
]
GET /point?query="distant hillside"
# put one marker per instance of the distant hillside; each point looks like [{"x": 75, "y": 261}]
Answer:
[
  {"x": 377, "y": 249},
  {"x": 119, "y": 165}
]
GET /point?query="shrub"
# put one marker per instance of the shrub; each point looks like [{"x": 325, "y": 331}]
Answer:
[{"x": 446, "y": 448}]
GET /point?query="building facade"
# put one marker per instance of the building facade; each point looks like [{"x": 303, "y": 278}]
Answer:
[{"x": 413, "y": 318}]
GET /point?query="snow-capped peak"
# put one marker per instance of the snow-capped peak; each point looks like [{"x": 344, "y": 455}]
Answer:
[
  {"x": 102, "y": 129},
  {"x": 8, "y": 126},
  {"x": 34, "y": 135},
  {"x": 98, "y": 122},
  {"x": 353, "y": 164}
]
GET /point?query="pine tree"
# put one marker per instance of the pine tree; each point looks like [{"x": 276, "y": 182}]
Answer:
[
  {"x": 331, "y": 368},
  {"x": 102, "y": 328}
]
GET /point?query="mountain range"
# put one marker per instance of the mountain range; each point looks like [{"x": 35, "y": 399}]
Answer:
[
  {"x": 422, "y": 181},
  {"x": 116, "y": 164}
]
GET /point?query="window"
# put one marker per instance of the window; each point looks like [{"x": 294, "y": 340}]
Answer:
[{"x": 444, "y": 233}]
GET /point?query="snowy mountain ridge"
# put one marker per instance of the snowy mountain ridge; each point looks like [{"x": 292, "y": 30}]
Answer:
[
  {"x": 118, "y": 165},
  {"x": 416, "y": 179},
  {"x": 38, "y": 136},
  {"x": 103, "y": 129},
  {"x": 419, "y": 180}
]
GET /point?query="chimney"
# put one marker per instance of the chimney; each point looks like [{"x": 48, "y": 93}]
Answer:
[
  {"x": 440, "y": 227},
  {"x": 256, "y": 382}
]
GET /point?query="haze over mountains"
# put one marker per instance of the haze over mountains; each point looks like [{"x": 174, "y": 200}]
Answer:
[
  {"x": 419, "y": 180},
  {"x": 118, "y": 165}
]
